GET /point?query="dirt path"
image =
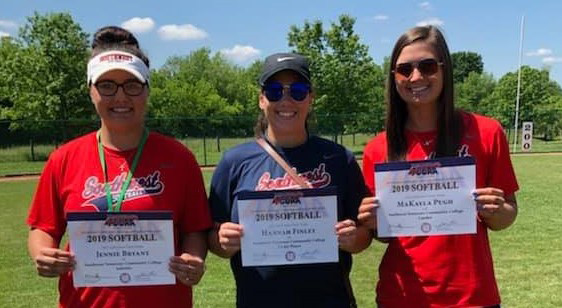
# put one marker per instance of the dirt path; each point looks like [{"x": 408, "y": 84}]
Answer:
[{"x": 12, "y": 178}]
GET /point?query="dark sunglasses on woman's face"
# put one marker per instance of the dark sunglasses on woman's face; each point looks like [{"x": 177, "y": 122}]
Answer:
[
  {"x": 274, "y": 91},
  {"x": 426, "y": 67},
  {"x": 110, "y": 87}
]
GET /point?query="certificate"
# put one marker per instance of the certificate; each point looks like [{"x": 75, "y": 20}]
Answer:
[
  {"x": 288, "y": 227},
  {"x": 430, "y": 197},
  {"x": 121, "y": 249}
]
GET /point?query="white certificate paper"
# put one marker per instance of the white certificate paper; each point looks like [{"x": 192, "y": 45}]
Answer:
[
  {"x": 429, "y": 197},
  {"x": 121, "y": 249},
  {"x": 288, "y": 227}
]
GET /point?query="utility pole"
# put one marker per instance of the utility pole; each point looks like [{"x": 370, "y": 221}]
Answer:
[{"x": 518, "y": 85}]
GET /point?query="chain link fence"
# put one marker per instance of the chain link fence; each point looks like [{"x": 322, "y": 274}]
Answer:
[{"x": 206, "y": 137}]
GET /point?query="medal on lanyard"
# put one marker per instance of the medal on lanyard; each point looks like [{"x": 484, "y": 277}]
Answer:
[{"x": 117, "y": 207}]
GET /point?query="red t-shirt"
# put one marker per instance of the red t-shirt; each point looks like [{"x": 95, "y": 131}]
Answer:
[
  {"x": 448, "y": 270},
  {"x": 167, "y": 178}
]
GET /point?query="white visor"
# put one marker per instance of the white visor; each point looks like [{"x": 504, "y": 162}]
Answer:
[{"x": 117, "y": 60}]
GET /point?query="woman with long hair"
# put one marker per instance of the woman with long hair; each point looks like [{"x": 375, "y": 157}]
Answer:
[{"x": 422, "y": 123}]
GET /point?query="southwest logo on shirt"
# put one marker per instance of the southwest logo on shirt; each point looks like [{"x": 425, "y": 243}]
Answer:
[
  {"x": 94, "y": 191},
  {"x": 318, "y": 178}
]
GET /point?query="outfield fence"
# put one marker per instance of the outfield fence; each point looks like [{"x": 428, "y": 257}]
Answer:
[{"x": 207, "y": 138}]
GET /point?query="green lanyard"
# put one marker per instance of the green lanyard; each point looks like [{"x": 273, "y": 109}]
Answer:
[{"x": 117, "y": 206}]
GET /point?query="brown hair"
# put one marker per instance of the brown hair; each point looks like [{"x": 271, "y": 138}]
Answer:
[
  {"x": 261, "y": 125},
  {"x": 117, "y": 38},
  {"x": 449, "y": 123}
]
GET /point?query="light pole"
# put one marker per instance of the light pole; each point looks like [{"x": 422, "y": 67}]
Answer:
[{"x": 518, "y": 85}]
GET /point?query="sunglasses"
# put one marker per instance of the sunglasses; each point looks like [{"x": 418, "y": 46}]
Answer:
[
  {"x": 274, "y": 91},
  {"x": 110, "y": 87},
  {"x": 426, "y": 67}
]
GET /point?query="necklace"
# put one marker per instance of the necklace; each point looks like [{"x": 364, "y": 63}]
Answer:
[
  {"x": 425, "y": 138},
  {"x": 427, "y": 142}
]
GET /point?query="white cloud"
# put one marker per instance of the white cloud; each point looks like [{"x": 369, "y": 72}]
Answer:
[
  {"x": 3, "y": 34},
  {"x": 541, "y": 52},
  {"x": 8, "y": 24},
  {"x": 181, "y": 32},
  {"x": 138, "y": 24},
  {"x": 431, "y": 21},
  {"x": 241, "y": 53},
  {"x": 552, "y": 60},
  {"x": 380, "y": 18},
  {"x": 425, "y": 5}
]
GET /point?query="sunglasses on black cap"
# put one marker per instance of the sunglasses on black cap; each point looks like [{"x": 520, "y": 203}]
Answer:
[
  {"x": 297, "y": 90},
  {"x": 426, "y": 67}
]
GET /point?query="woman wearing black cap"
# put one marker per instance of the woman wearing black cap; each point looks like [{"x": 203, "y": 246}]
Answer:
[{"x": 312, "y": 162}]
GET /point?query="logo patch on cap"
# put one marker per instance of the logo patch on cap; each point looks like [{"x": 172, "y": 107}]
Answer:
[
  {"x": 284, "y": 59},
  {"x": 116, "y": 57}
]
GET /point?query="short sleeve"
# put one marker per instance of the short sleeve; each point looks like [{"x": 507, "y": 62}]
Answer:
[
  {"x": 501, "y": 174},
  {"x": 374, "y": 153},
  {"x": 368, "y": 173},
  {"x": 355, "y": 190},
  {"x": 47, "y": 211},
  {"x": 220, "y": 196},
  {"x": 196, "y": 216}
]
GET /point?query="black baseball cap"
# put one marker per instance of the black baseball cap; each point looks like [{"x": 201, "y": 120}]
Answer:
[{"x": 284, "y": 61}]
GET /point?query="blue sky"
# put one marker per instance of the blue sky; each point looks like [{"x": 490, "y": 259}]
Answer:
[{"x": 249, "y": 30}]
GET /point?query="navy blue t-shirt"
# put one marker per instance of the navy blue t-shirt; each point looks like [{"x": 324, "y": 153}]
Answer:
[{"x": 247, "y": 167}]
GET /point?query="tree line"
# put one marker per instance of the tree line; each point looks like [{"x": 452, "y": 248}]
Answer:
[{"x": 43, "y": 91}]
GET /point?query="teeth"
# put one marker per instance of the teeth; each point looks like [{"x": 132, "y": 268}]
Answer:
[
  {"x": 121, "y": 109},
  {"x": 286, "y": 114},
  {"x": 418, "y": 89}
]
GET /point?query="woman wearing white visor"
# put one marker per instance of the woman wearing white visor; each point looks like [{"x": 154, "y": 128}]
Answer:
[{"x": 120, "y": 168}]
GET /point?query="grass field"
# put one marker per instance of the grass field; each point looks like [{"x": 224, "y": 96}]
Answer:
[{"x": 527, "y": 256}]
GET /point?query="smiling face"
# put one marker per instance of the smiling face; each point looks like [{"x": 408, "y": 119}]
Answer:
[
  {"x": 120, "y": 112},
  {"x": 419, "y": 90},
  {"x": 286, "y": 117}
]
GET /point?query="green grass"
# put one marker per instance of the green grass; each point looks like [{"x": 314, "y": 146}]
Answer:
[
  {"x": 527, "y": 256},
  {"x": 538, "y": 145},
  {"x": 21, "y": 167},
  {"x": 19, "y": 284},
  {"x": 23, "y": 153},
  {"x": 207, "y": 151}
]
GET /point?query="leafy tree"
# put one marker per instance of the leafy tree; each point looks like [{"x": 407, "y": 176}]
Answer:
[
  {"x": 214, "y": 93},
  {"x": 386, "y": 65},
  {"x": 347, "y": 81},
  {"x": 550, "y": 118},
  {"x": 536, "y": 97},
  {"x": 46, "y": 74},
  {"x": 8, "y": 48},
  {"x": 471, "y": 94},
  {"x": 465, "y": 62}
]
